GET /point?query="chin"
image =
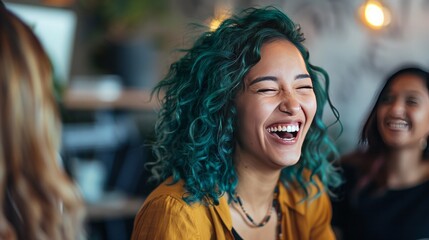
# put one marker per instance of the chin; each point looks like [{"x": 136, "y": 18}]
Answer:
[{"x": 286, "y": 162}]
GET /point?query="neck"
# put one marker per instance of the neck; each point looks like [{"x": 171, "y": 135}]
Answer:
[
  {"x": 256, "y": 188},
  {"x": 405, "y": 168}
]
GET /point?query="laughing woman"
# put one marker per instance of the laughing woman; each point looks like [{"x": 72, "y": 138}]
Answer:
[{"x": 241, "y": 145}]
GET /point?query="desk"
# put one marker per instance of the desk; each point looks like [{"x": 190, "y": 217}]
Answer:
[
  {"x": 110, "y": 206},
  {"x": 112, "y": 136},
  {"x": 113, "y": 208},
  {"x": 112, "y": 217},
  {"x": 130, "y": 99}
]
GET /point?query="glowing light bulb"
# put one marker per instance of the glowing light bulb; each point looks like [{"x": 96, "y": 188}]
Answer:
[
  {"x": 221, "y": 12},
  {"x": 375, "y": 15},
  {"x": 214, "y": 24}
]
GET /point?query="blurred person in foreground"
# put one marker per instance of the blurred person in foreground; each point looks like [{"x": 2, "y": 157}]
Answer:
[
  {"x": 241, "y": 145},
  {"x": 386, "y": 195},
  {"x": 38, "y": 199}
]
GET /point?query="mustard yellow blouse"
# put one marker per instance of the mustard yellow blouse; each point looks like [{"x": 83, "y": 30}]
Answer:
[{"x": 164, "y": 215}]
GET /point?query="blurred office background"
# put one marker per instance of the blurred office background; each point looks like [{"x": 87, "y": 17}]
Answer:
[{"x": 108, "y": 54}]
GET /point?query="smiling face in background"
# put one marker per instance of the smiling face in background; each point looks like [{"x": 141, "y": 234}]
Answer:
[
  {"x": 275, "y": 109},
  {"x": 403, "y": 113}
]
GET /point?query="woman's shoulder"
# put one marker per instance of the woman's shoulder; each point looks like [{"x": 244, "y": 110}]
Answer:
[
  {"x": 170, "y": 196},
  {"x": 311, "y": 213},
  {"x": 314, "y": 185},
  {"x": 295, "y": 196},
  {"x": 168, "y": 188},
  {"x": 166, "y": 215}
]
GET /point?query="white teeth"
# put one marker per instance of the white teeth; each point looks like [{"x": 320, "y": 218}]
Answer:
[
  {"x": 397, "y": 124},
  {"x": 284, "y": 128}
]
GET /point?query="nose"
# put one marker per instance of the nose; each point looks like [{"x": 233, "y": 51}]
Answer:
[
  {"x": 397, "y": 108},
  {"x": 290, "y": 104}
]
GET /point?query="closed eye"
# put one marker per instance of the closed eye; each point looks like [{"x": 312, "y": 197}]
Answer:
[
  {"x": 266, "y": 90},
  {"x": 305, "y": 89},
  {"x": 412, "y": 101}
]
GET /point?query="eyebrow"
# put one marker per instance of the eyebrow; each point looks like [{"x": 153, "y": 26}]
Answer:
[
  {"x": 301, "y": 76},
  {"x": 414, "y": 92},
  {"x": 272, "y": 78}
]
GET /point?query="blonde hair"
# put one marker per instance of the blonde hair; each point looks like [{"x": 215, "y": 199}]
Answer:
[{"x": 38, "y": 199}]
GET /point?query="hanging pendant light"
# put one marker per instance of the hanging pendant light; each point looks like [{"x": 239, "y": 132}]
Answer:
[{"x": 374, "y": 14}]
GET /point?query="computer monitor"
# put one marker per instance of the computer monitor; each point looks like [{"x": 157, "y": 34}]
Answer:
[{"x": 56, "y": 28}]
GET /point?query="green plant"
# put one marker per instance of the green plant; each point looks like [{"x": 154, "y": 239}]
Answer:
[{"x": 117, "y": 18}]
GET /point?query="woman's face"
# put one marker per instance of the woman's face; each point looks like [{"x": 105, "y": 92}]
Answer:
[
  {"x": 403, "y": 113},
  {"x": 275, "y": 109}
]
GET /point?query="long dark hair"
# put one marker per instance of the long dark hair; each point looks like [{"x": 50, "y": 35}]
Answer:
[
  {"x": 371, "y": 144},
  {"x": 370, "y": 136}
]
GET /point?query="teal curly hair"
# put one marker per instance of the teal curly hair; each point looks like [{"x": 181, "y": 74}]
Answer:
[{"x": 195, "y": 132}]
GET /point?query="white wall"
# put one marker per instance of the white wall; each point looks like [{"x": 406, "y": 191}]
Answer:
[{"x": 358, "y": 59}]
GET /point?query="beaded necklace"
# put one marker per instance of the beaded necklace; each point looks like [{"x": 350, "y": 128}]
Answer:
[{"x": 275, "y": 205}]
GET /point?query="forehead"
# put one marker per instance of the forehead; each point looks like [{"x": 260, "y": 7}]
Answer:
[
  {"x": 408, "y": 83},
  {"x": 280, "y": 50},
  {"x": 278, "y": 57}
]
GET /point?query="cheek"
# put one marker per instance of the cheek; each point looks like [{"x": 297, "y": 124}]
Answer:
[
  {"x": 310, "y": 106},
  {"x": 423, "y": 119},
  {"x": 254, "y": 114},
  {"x": 380, "y": 113}
]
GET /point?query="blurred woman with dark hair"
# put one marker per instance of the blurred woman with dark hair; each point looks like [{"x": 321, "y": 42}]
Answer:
[{"x": 387, "y": 189}]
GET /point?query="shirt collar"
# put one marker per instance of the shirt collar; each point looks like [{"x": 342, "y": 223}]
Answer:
[
  {"x": 223, "y": 211},
  {"x": 292, "y": 198}
]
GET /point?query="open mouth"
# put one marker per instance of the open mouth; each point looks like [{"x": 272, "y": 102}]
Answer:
[
  {"x": 284, "y": 131},
  {"x": 397, "y": 124}
]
